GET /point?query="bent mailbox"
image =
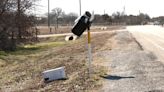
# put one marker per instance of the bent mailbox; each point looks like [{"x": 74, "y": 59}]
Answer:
[{"x": 81, "y": 24}]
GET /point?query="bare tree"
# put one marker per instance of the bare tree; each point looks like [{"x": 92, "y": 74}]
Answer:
[
  {"x": 56, "y": 13},
  {"x": 70, "y": 18},
  {"x": 64, "y": 19},
  {"x": 15, "y": 24}
]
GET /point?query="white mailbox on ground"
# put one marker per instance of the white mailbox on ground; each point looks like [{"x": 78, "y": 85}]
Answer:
[{"x": 54, "y": 74}]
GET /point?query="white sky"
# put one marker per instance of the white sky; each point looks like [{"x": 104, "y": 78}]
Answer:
[{"x": 151, "y": 7}]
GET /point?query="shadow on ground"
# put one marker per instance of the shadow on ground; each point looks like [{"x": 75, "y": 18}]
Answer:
[{"x": 111, "y": 77}]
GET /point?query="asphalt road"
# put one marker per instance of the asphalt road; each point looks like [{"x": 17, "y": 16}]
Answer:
[{"x": 151, "y": 38}]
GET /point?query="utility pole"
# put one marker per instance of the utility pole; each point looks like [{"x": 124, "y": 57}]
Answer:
[
  {"x": 49, "y": 16},
  {"x": 124, "y": 18},
  {"x": 124, "y": 11},
  {"x": 80, "y": 6},
  {"x": 48, "y": 13}
]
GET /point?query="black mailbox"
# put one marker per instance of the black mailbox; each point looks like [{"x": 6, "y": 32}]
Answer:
[{"x": 82, "y": 24}]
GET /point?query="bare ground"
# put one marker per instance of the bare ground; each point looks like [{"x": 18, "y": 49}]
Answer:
[{"x": 130, "y": 67}]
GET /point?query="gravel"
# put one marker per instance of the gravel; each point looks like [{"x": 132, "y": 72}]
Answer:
[{"x": 131, "y": 69}]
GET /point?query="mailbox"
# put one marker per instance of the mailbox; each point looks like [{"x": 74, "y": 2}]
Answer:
[
  {"x": 82, "y": 24},
  {"x": 54, "y": 74}
]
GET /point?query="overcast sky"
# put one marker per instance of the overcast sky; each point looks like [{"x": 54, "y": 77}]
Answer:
[{"x": 151, "y": 7}]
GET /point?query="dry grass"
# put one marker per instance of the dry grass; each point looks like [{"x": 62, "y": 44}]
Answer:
[{"x": 21, "y": 70}]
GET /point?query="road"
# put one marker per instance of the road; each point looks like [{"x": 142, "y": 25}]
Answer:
[
  {"x": 132, "y": 69},
  {"x": 151, "y": 38}
]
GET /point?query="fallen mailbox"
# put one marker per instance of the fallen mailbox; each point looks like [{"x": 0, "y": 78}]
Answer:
[{"x": 54, "y": 74}]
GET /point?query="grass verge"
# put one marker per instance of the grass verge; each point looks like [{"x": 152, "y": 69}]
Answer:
[{"x": 23, "y": 69}]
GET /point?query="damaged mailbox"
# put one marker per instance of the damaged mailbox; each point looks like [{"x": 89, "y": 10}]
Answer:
[{"x": 81, "y": 24}]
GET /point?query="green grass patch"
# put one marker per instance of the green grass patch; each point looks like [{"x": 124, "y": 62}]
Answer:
[
  {"x": 44, "y": 45},
  {"x": 3, "y": 53},
  {"x": 32, "y": 48}
]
